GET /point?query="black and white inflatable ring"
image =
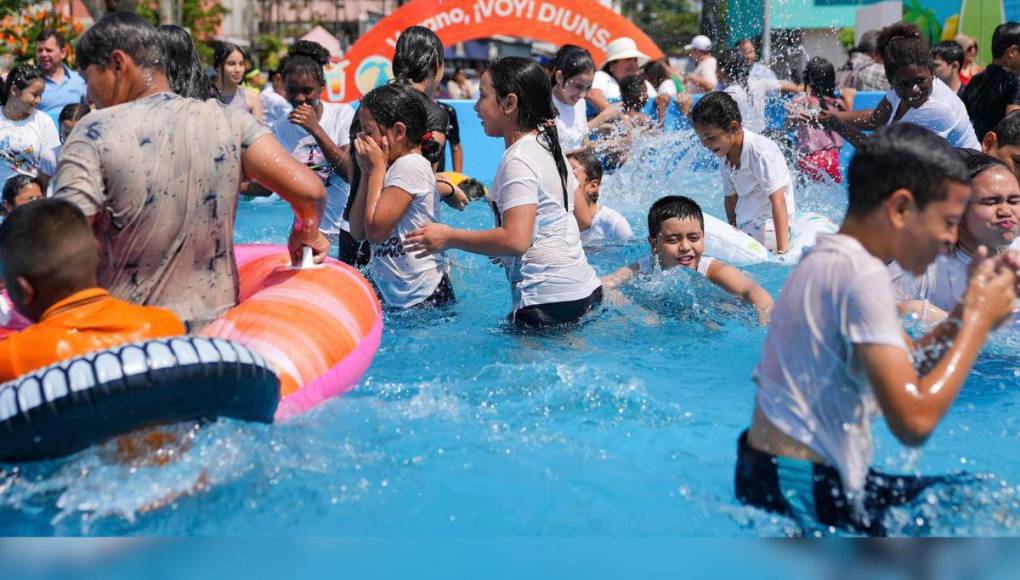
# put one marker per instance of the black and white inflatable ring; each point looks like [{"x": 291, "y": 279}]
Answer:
[{"x": 71, "y": 405}]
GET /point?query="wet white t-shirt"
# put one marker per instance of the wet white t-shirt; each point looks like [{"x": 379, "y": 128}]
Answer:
[
  {"x": 762, "y": 171},
  {"x": 647, "y": 264},
  {"x": 571, "y": 124},
  {"x": 554, "y": 268},
  {"x": 23, "y": 143},
  {"x": 403, "y": 279},
  {"x": 810, "y": 385},
  {"x": 943, "y": 114},
  {"x": 607, "y": 226},
  {"x": 943, "y": 283},
  {"x": 336, "y": 122}
]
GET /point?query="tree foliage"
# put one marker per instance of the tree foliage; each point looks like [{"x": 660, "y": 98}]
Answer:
[
  {"x": 670, "y": 23},
  {"x": 201, "y": 17}
]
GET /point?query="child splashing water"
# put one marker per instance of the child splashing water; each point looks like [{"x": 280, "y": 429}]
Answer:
[
  {"x": 536, "y": 234},
  {"x": 758, "y": 185},
  {"x": 396, "y": 195},
  {"x": 676, "y": 233},
  {"x": 992, "y": 220},
  {"x": 836, "y": 353}
]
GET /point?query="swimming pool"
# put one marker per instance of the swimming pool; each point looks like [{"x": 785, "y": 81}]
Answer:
[{"x": 626, "y": 426}]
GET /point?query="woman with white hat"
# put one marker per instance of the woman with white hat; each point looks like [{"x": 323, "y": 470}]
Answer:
[
  {"x": 701, "y": 76},
  {"x": 622, "y": 60}
]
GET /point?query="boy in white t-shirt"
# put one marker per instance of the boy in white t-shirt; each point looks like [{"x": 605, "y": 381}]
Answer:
[
  {"x": 757, "y": 182},
  {"x": 992, "y": 220},
  {"x": 607, "y": 225},
  {"x": 676, "y": 233},
  {"x": 836, "y": 354}
]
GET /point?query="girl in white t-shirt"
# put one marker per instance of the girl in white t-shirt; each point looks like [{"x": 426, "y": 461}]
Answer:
[
  {"x": 573, "y": 73},
  {"x": 25, "y": 132},
  {"x": 536, "y": 235},
  {"x": 992, "y": 220},
  {"x": 317, "y": 134},
  {"x": 916, "y": 97},
  {"x": 396, "y": 195}
]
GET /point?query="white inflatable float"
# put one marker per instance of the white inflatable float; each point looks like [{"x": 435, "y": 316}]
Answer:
[{"x": 733, "y": 246}]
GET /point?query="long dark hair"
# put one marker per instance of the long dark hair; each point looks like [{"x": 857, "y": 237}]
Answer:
[
  {"x": 535, "y": 111},
  {"x": 19, "y": 78},
  {"x": 222, "y": 53},
  {"x": 305, "y": 57},
  {"x": 393, "y": 103},
  {"x": 418, "y": 55},
  {"x": 820, "y": 75},
  {"x": 184, "y": 68}
]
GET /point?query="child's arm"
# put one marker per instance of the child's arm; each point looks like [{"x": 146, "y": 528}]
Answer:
[
  {"x": 582, "y": 212},
  {"x": 913, "y": 405},
  {"x": 610, "y": 281},
  {"x": 740, "y": 284},
  {"x": 379, "y": 209},
  {"x": 730, "y": 202},
  {"x": 513, "y": 238},
  {"x": 781, "y": 219}
]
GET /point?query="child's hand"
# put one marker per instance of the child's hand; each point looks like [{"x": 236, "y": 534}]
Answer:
[
  {"x": 458, "y": 200},
  {"x": 428, "y": 239},
  {"x": 370, "y": 155},
  {"x": 304, "y": 116}
]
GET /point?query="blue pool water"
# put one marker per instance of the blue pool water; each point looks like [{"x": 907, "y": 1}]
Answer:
[{"x": 626, "y": 426}]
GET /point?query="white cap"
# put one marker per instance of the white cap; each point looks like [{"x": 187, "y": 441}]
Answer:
[
  {"x": 623, "y": 48},
  {"x": 700, "y": 42}
]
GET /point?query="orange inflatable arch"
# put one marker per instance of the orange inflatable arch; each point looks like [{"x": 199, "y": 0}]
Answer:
[{"x": 582, "y": 22}]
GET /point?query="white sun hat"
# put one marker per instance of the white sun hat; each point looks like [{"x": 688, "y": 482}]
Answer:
[
  {"x": 623, "y": 48},
  {"x": 700, "y": 42}
]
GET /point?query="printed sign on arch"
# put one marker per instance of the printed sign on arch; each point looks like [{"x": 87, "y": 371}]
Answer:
[{"x": 582, "y": 22}]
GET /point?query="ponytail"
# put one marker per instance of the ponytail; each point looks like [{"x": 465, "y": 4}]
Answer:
[
  {"x": 430, "y": 147},
  {"x": 552, "y": 144}
]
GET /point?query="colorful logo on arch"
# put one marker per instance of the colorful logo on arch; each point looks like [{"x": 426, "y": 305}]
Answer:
[{"x": 374, "y": 71}]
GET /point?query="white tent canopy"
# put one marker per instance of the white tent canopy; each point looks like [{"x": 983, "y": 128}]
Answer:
[{"x": 322, "y": 36}]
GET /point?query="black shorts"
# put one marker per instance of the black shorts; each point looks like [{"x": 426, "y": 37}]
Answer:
[
  {"x": 556, "y": 313},
  {"x": 442, "y": 296},
  {"x": 351, "y": 251},
  {"x": 813, "y": 494}
]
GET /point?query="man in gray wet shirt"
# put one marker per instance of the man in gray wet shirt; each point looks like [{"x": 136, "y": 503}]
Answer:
[{"x": 159, "y": 175}]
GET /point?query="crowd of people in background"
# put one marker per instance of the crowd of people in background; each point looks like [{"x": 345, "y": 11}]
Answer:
[{"x": 152, "y": 243}]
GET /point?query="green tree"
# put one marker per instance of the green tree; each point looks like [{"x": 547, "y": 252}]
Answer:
[
  {"x": 670, "y": 23},
  {"x": 201, "y": 17}
]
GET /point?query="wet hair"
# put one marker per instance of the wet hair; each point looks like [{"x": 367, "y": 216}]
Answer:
[
  {"x": 305, "y": 57},
  {"x": 472, "y": 188},
  {"x": 657, "y": 72},
  {"x": 535, "y": 111},
  {"x": 19, "y": 78},
  {"x": 902, "y": 156},
  {"x": 222, "y": 53},
  {"x": 949, "y": 51},
  {"x": 977, "y": 162},
  {"x": 14, "y": 185},
  {"x": 571, "y": 61},
  {"x": 124, "y": 31},
  {"x": 820, "y": 75},
  {"x": 735, "y": 66},
  {"x": 393, "y": 103},
  {"x": 901, "y": 45},
  {"x": 73, "y": 112},
  {"x": 588, "y": 161},
  {"x": 717, "y": 109},
  {"x": 1006, "y": 35},
  {"x": 49, "y": 242},
  {"x": 418, "y": 55},
  {"x": 184, "y": 69},
  {"x": 551, "y": 65},
  {"x": 673, "y": 206},
  {"x": 633, "y": 93},
  {"x": 50, "y": 33},
  {"x": 1007, "y": 131}
]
